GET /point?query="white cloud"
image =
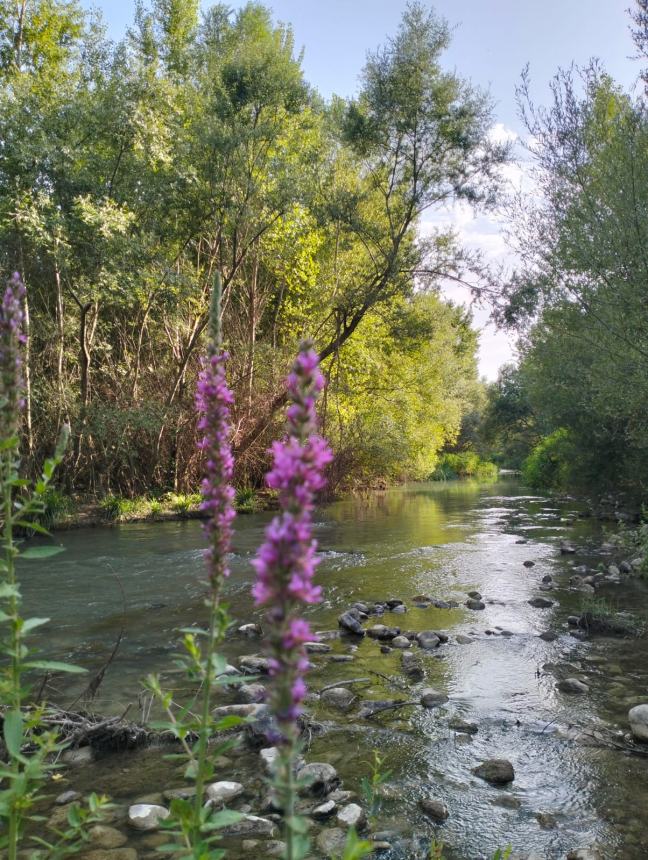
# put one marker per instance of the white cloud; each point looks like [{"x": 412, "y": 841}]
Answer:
[{"x": 485, "y": 232}]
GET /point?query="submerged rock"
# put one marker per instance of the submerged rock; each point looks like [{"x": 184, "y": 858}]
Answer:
[
  {"x": 331, "y": 842},
  {"x": 339, "y": 698},
  {"x": 567, "y": 548},
  {"x": 411, "y": 665},
  {"x": 431, "y": 698},
  {"x": 540, "y": 602},
  {"x": 349, "y": 621},
  {"x": 638, "y": 717},
  {"x": 475, "y": 604},
  {"x": 463, "y": 726},
  {"x": 498, "y": 771},
  {"x": 383, "y": 633},
  {"x": 428, "y": 640},
  {"x": 572, "y": 685},
  {"x": 434, "y": 809},
  {"x": 251, "y": 825},
  {"x": 318, "y": 778}
]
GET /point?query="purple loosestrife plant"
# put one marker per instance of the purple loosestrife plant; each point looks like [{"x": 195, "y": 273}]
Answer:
[
  {"x": 195, "y": 823},
  {"x": 285, "y": 567},
  {"x": 23, "y": 726}
]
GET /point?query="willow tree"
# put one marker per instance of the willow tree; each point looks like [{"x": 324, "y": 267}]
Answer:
[{"x": 417, "y": 137}]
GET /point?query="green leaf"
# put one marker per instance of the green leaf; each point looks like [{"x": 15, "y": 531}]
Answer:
[
  {"x": 55, "y": 666},
  {"x": 33, "y": 623},
  {"x": 32, "y": 526},
  {"x": 37, "y": 552},
  {"x": 7, "y": 590},
  {"x": 13, "y": 732},
  {"x": 223, "y": 819}
]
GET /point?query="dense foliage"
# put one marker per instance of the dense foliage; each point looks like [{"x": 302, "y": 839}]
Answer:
[
  {"x": 131, "y": 173},
  {"x": 580, "y": 296}
]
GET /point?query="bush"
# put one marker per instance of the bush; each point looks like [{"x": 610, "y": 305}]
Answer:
[
  {"x": 246, "y": 500},
  {"x": 55, "y": 506},
  {"x": 549, "y": 465},
  {"x": 466, "y": 464}
]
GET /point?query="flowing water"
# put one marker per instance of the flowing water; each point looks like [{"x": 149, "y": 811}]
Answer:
[{"x": 438, "y": 540}]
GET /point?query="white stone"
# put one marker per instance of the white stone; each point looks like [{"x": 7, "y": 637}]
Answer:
[
  {"x": 224, "y": 791},
  {"x": 269, "y": 757},
  {"x": 352, "y": 815},
  {"x": 146, "y": 816},
  {"x": 638, "y": 717}
]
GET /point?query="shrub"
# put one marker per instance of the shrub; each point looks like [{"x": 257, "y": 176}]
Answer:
[
  {"x": 549, "y": 465},
  {"x": 466, "y": 464}
]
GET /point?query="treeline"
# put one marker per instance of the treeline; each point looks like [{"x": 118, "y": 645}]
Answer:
[
  {"x": 132, "y": 173},
  {"x": 575, "y": 411}
]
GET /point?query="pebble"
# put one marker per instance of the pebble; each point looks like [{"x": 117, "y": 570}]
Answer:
[{"x": 146, "y": 816}]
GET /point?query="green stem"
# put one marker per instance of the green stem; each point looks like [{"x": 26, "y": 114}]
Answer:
[
  {"x": 15, "y": 689},
  {"x": 289, "y": 800},
  {"x": 205, "y": 717}
]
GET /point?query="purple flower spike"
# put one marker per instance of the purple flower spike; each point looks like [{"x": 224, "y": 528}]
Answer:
[
  {"x": 213, "y": 401},
  {"x": 12, "y": 317},
  {"x": 286, "y": 562}
]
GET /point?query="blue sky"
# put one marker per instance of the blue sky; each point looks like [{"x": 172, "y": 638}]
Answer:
[{"x": 493, "y": 41}]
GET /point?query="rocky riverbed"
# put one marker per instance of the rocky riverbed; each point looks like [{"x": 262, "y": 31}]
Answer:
[{"x": 463, "y": 638}]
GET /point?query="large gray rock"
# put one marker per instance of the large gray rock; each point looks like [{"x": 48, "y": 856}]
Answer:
[
  {"x": 475, "y": 604},
  {"x": 146, "y": 816},
  {"x": 497, "y": 771},
  {"x": 400, "y": 642},
  {"x": 428, "y": 640},
  {"x": 463, "y": 726},
  {"x": 540, "y": 602},
  {"x": 252, "y": 694},
  {"x": 219, "y": 793},
  {"x": 317, "y": 648},
  {"x": 431, "y": 698},
  {"x": 434, "y": 809},
  {"x": 331, "y": 842},
  {"x": 349, "y": 621},
  {"x": 340, "y": 698},
  {"x": 318, "y": 778},
  {"x": 102, "y": 836},
  {"x": 572, "y": 685},
  {"x": 383, "y": 633},
  {"x": 638, "y": 717},
  {"x": 255, "y": 665},
  {"x": 411, "y": 665},
  {"x": 251, "y": 825}
]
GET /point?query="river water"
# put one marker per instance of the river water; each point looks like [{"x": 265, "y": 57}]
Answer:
[{"x": 442, "y": 540}]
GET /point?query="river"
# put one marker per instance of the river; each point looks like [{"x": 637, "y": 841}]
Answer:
[{"x": 442, "y": 540}]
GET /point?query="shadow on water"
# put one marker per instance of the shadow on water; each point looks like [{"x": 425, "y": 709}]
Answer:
[{"x": 439, "y": 540}]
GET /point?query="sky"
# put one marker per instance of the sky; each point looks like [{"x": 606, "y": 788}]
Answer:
[{"x": 493, "y": 40}]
